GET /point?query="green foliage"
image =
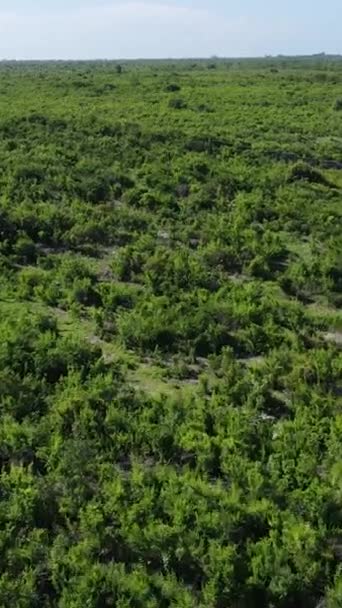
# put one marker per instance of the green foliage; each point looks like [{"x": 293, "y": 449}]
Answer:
[
  {"x": 303, "y": 171},
  {"x": 338, "y": 105},
  {"x": 170, "y": 356},
  {"x": 177, "y": 103}
]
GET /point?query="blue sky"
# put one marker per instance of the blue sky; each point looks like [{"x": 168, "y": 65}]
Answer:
[{"x": 46, "y": 29}]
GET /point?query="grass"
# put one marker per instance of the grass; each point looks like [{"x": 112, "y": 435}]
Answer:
[{"x": 147, "y": 377}]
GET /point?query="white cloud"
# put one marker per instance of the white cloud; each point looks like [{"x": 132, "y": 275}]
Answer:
[{"x": 133, "y": 29}]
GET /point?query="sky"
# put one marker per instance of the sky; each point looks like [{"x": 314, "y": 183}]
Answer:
[{"x": 116, "y": 29}]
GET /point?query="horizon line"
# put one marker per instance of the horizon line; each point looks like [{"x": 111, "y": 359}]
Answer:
[{"x": 170, "y": 58}]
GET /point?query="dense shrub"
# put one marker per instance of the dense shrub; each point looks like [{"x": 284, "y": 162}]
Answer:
[
  {"x": 25, "y": 250},
  {"x": 172, "y": 87},
  {"x": 338, "y": 105},
  {"x": 176, "y": 103},
  {"x": 170, "y": 362},
  {"x": 302, "y": 171}
]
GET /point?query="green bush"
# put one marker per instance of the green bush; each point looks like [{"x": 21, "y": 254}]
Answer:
[
  {"x": 303, "y": 172},
  {"x": 176, "y": 103},
  {"x": 25, "y": 250},
  {"x": 338, "y": 105}
]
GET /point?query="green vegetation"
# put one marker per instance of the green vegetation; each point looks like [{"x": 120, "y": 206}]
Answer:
[{"x": 171, "y": 330}]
